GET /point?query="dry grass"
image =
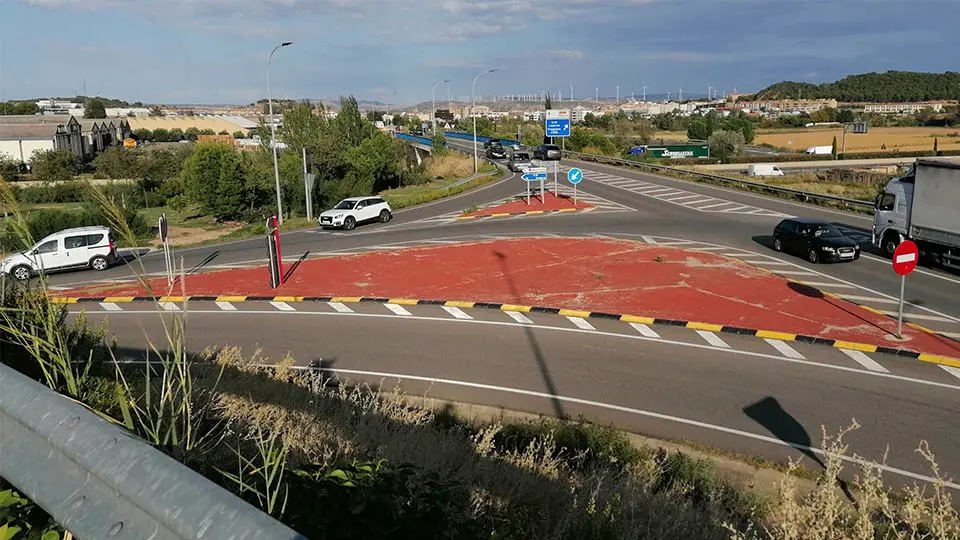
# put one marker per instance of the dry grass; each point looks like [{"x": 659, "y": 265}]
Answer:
[
  {"x": 449, "y": 165},
  {"x": 905, "y": 139},
  {"x": 535, "y": 491},
  {"x": 183, "y": 122},
  {"x": 809, "y": 181}
]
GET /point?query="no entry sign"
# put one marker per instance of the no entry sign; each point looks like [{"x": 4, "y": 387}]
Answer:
[{"x": 905, "y": 257}]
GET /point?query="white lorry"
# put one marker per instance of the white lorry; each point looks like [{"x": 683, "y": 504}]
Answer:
[
  {"x": 923, "y": 206},
  {"x": 820, "y": 150}
]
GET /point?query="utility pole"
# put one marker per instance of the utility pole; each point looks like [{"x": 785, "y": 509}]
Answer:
[{"x": 644, "y": 93}]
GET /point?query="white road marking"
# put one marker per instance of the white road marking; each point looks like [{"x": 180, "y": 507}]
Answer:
[
  {"x": 649, "y": 239},
  {"x": 709, "y": 248},
  {"x": 827, "y": 284},
  {"x": 784, "y": 349},
  {"x": 681, "y": 243},
  {"x": 340, "y": 307},
  {"x": 952, "y": 370},
  {"x": 714, "y": 205},
  {"x": 920, "y": 317},
  {"x": 795, "y": 273},
  {"x": 110, "y": 306},
  {"x": 713, "y": 339},
  {"x": 457, "y": 312},
  {"x": 640, "y": 412},
  {"x": 955, "y": 335},
  {"x": 865, "y": 361},
  {"x": 226, "y": 306},
  {"x": 776, "y": 263},
  {"x": 675, "y": 199},
  {"x": 581, "y": 323},
  {"x": 868, "y": 299},
  {"x": 282, "y": 306},
  {"x": 519, "y": 317},
  {"x": 835, "y": 367},
  {"x": 398, "y": 309},
  {"x": 169, "y": 306},
  {"x": 645, "y": 330}
]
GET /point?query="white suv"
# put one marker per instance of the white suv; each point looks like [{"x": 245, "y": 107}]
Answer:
[
  {"x": 353, "y": 210},
  {"x": 82, "y": 247}
]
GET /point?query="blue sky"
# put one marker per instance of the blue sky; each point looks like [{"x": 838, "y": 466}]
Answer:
[{"x": 215, "y": 51}]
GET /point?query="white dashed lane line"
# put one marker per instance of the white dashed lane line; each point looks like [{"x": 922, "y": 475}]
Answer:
[
  {"x": 398, "y": 309},
  {"x": 519, "y": 317},
  {"x": 713, "y": 339},
  {"x": 865, "y": 361},
  {"x": 169, "y": 306},
  {"x": 110, "y": 306},
  {"x": 340, "y": 307},
  {"x": 282, "y": 306},
  {"x": 457, "y": 312},
  {"x": 581, "y": 323},
  {"x": 784, "y": 349},
  {"x": 645, "y": 330},
  {"x": 226, "y": 306}
]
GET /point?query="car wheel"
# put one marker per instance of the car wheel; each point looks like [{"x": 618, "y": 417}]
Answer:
[
  {"x": 349, "y": 223},
  {"x": 812, "y": 256},
  {"x": 22, "y": 272},
  {"x": 777, "y": 244},
  {"x": 385, "y": 216},
  {"x": 99, "y": 263}
]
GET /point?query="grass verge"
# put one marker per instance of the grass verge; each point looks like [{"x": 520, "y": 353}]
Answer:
[{"x": 438, "y": 189}]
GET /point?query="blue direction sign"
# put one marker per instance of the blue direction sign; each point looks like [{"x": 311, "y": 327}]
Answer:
[
  {"x": 574, "y": 176},
  {"x": 558, "y": 123},
  {"x": 534, "y": 174}
]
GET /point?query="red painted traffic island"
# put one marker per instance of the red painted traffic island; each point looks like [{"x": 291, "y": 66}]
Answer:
[
  {"x": 550, "y": 203},
  {"x": 592, "y": 274}
]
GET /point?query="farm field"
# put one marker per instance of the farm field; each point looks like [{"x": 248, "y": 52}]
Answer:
[
  {"x": 905, "y": 139},
  {"x": 183, "y": 123}
]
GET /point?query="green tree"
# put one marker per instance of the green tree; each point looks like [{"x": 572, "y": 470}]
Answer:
[
  {"x": 374, "y": 116},
  {"x": 547, "y": 103},
  {"x": 698, "y": 130},
  {"x": 239, "y": 135},
  {"x": 833, "y": 148},
  {"x": 223, "y": 132},
  {"x": 845, "y": 115},
  {"x": 118, "y": 162},
  {"x": 176, "y": 135},
  {"x": 9, "y": 168},
  {"x": 95, "y": 108},
  {"x": 213, "y": 178},
  {"x": 374, "y": 164},
  {"x": 156, "y": 111},
  {"x": 54, "y": 165},
  {"x": 19, "y": 108},
  {"x": 350, "y": 124},
  {"x": 162, "y": 166},
  {"x": 143, "y": 135},
  {"x": 398, "y": 120},
  {"x": 191, "y": 133},
  {"x": 725, "y": 144},
  {"x": 302, "y": 128},
  {"x": 161, "y": 135},
  {"x": 935, "y": 149}
]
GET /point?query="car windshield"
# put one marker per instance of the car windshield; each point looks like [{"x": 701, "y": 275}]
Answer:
[
  {"x": 345, "y": 205},
  {"x": 825, "y": 230},
  {"x": 521, "y": 157}
]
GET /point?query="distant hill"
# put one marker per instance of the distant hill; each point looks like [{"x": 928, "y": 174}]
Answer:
[{"x": 894, "y": 86}]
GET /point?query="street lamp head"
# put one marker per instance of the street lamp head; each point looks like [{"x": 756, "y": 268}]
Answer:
[
  {"x": 286, "y": 44},
  {"x": 445, "y": 81},
  {"x": 493, "y": 70}
]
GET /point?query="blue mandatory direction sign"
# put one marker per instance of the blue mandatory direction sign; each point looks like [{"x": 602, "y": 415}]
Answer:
[
  {"x": 574, "y": 176},
  {"x": 534, "y": 174}
]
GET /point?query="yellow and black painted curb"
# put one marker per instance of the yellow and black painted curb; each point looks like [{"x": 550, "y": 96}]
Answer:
[
  {"x": 693, "y": 325},
  {"x": 527, "y": 213}
]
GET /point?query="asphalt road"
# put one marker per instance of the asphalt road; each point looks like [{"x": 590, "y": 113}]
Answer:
[
  {"x": 632, "y": 203},
  {"x": 744, "y": 396}
]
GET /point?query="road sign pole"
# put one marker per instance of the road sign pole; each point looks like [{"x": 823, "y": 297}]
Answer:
[
  {"x": 541, "y": 190},
  {"x": 903, "y": 283},
  {"x": 574, "y": 194},
  {"x": 556, "y": 170}
]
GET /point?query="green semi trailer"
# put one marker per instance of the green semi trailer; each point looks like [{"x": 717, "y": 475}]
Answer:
[{"x": 673, "y": 151}]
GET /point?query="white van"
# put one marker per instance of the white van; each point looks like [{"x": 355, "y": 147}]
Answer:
[
  {"x": 764, "y": 169},
  {"x": 81, "y": 247}
]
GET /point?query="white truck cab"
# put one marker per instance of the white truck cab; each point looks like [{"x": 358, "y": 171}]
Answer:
[{"x": 892, "y": 214}]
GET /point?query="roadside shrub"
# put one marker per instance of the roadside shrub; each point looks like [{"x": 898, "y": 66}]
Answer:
[
  {"x": 21, "y": 518},
  {"x": 53, "y": 165},
  {"x": 594, "y": 444}
]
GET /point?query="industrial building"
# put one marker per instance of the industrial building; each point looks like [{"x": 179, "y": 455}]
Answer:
[{"x": 22, "y": 136}]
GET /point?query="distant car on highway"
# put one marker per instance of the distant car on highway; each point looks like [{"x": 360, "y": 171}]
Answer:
[
  {"x": 547, "y": 152},
  {"x": 69, "y": 249},
  {"x": 352, "y": 211},
  {"x": 496, "y": 151},
  {"x": 818, "y": 240},
  {"x": 519, "y": 161}
]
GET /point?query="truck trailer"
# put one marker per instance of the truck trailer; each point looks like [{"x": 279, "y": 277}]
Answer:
[{"x": 923, "y": 206}]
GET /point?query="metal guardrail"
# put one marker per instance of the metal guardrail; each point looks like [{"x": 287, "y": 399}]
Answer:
[
  {"x": 98, "y": 480},
  {"x": 407, "y": 137},
  {"x": 803, "y": 195},
  {"x": 480, "y": 138}
]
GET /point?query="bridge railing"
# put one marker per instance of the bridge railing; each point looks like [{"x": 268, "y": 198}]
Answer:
[
  {"x": 799, "y": 194},
  {"x": 98, "y": 480},
  {"x": 413, "y": 138}
]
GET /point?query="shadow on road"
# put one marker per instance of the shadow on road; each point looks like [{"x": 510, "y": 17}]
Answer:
[
  {"x": 206, "y": 260},
  {"x": 294, "y": 266},
  {"x": 771, "y": 415},
  {"x": 811, "y": 292},
  {"x": 764, "y": 240},
  {"x": 534, "y": 344}
]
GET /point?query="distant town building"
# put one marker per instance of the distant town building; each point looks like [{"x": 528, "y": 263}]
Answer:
[
  {"x": 901, "y": 108},
  {"x": 22, "y": 136},
  {"x": 140, "y": 112},
  {"x": 787, "y": 105}
]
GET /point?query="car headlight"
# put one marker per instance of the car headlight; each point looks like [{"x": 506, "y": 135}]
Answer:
[{"x": 828, "y": 249}]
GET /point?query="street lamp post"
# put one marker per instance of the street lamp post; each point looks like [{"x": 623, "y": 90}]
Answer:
[
  {"x": 473, "y": 106},
  {"x": 273, "y": 133},
  {"x": 433, "y": 99}
]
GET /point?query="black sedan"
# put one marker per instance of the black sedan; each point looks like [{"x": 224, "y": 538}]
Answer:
[
  {"x": 817, "y": 239},
  {"x": 547, "y": 152},
  {"x": 496, "y": 151}
]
